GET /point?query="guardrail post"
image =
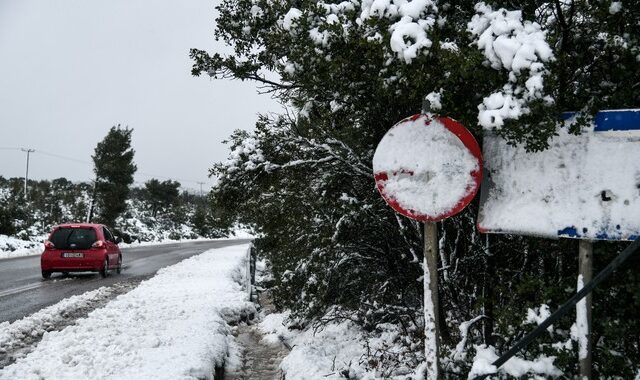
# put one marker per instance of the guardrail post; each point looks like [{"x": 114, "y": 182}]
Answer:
[
  {"x": 248, "y": 283},
  {"x": 251, "y": 271}
]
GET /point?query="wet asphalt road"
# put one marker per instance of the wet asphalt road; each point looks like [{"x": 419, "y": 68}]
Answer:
[{"x": 23, "y": 291}]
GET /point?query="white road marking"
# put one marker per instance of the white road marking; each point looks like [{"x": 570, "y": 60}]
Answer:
[{"x": 20, "y": 289}]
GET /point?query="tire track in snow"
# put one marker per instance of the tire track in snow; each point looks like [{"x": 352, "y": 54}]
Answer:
[{"x": 19, "y": 338}]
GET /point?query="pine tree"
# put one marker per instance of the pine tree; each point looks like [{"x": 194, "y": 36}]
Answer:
[
  {"x": 114, "y": 169},
  {"x": 161, "y": 195}
]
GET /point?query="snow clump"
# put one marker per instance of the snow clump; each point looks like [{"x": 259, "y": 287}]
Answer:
[
  {"x": 290, "y": 18},
  {"x": 517, "y": 367},
  {"x": 435, "y": 100},
  {"x": 409, "y": 34},
  {"x": 615, "y": 7},
  {"x": 509, "y": 43}
]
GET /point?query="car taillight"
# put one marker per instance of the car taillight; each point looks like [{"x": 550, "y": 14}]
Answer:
[
  {"x": 49, "y": 245},
  {"x": 98, "y": 244}
]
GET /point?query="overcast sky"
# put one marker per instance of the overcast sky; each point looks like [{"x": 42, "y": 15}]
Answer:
[{"x": 70, "y": 69}]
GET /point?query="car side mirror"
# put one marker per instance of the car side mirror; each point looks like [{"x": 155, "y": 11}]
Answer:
[{"x": 118, "y": 240}]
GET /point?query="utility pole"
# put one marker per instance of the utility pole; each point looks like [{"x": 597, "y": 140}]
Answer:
[
  {"x": 26, "y": 176},
  {"x": 200, "y": 183}
]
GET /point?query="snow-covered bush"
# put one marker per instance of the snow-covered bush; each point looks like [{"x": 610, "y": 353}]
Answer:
[{"x": 61, "y": 201}]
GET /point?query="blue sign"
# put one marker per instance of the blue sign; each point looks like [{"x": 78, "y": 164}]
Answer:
[{"x": 612, "y": 120}]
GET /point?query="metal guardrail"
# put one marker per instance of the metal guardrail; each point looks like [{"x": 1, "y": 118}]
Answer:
[{"x": 567, "y": 306}]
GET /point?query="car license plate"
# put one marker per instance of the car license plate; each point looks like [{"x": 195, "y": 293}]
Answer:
[{"x": 72, "y": 254}]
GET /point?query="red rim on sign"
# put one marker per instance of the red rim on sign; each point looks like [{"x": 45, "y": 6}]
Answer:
[{"x": 428, "y": 167}]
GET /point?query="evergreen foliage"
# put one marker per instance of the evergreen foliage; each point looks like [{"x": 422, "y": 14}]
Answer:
[
  {"x": 303, "y": 179},
  {"x": 114, "y": 169},
  {"x": 161, "y": 195},
  {"x": 58, "y": 201}
]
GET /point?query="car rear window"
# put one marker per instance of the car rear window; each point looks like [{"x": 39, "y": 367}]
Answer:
[{"x": 73, "y": 238}]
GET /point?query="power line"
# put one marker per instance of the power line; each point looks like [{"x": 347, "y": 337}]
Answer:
[
  {"x": 63, "y": 157},
  {"x": 145, "y": 174}
]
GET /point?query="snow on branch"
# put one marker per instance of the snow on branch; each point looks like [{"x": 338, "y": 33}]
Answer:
[
  {"x": 247, "y": 154},
  {"x": 413, "y": 21},
  {"x": 460, "y": 351},
  {"x": 517, "y": 367},
  {"x": 518, "y": 46}
]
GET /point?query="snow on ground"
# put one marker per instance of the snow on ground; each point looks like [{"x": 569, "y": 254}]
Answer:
[
  {"x": 11, "y": 334},
  {"x": 172, "y": 326},
  {"x": 340, "y": 350},
  {"x": 516, "y": 367},
  {"x": 11, "y": 247},
  {"x": 322, "y": 355},
  {"x": 17, "y": 338},
  {"x": 14, "y": 247},
  {"x": 163, "y": 242},
  {"x": 344, "y": 350}
]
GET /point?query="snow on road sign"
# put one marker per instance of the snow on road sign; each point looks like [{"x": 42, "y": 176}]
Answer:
[
  {"x": 427, "y": 167},
  {"x": 585, "y": 186}
]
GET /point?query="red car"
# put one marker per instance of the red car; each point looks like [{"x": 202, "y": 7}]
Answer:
[{"x": 81, "y": 247}]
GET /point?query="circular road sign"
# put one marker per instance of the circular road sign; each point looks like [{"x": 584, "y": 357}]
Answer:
[{"x": 428, "y": 167}]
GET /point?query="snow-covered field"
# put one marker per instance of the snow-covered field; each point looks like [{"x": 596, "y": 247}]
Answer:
[{"x": 173, "y": 326}]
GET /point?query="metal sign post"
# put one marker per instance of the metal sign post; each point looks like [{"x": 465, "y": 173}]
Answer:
[
  {"x": 410, "y": 178},
  {"x": 583, "y": 308},
  {"x": 431, "y": 300}
]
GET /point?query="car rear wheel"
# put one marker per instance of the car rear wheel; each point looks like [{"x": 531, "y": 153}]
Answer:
[
  {"x": 119, "y": 268},
  {"x": 46, "y": 274},
  {"x": 105, "y": 270}
]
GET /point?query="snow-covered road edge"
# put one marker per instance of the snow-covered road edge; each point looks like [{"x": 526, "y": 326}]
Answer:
[
  {"x": 22, "y": 248},
  {"x": 174, "y": 325},
  {"x": 20, "y": 335},
  {"x": 13, "y": 247}
]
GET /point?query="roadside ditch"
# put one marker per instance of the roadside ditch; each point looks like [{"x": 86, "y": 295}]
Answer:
[{"x": 260, "y": 359}]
